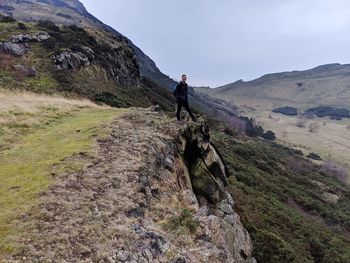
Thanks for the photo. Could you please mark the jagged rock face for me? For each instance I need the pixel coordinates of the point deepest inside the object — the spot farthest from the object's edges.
(68, 59)
(208, 175)
(36, 37)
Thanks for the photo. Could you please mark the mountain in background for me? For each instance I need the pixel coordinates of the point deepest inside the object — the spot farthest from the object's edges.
(326, 85)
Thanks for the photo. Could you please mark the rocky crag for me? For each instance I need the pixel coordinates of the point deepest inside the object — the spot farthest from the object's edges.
(154, 192)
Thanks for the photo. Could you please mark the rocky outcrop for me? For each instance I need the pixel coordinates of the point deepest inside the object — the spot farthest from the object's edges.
(13, 48)
(18, 43)
(136, 201)
(35, 37)
(208, 174)
(69, 59)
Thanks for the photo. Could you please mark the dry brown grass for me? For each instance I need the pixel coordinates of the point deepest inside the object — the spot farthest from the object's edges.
(31, 102)
(6, 62)
(21, 111)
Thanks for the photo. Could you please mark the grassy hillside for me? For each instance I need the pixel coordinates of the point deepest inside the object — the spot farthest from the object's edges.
(293, 211)
(93, 82)
(38, 134)
(328, 138)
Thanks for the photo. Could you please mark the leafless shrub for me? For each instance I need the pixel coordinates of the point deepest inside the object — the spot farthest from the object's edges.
(299, 165)
(236, 123)
(336, 170)
(314, 127)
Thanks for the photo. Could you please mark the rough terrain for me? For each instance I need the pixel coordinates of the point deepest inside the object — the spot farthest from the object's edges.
(124, 204)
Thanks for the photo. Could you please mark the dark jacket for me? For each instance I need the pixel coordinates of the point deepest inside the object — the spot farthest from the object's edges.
(181, 92)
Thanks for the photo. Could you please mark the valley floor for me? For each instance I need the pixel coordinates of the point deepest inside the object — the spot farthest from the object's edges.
(330, 139)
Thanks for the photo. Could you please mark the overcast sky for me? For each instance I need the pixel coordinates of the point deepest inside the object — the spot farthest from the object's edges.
(220, 41)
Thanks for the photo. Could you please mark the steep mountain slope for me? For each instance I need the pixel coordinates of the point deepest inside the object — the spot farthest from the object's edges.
(323, 85)
(73, 12)
(294, 210)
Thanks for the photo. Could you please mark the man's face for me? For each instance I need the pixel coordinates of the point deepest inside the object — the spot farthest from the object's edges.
(184, 78)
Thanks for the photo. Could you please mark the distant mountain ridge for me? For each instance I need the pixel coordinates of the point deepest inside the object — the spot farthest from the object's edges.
(327, 85)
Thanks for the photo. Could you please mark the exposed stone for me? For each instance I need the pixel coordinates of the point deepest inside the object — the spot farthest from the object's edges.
(13, 48)
(135, 212)
(123, 256)
(225, 207)
(26, 71)
(218, 223)
(136, 155)
(180, 260)
(69, 59)
(35, 37)
(207, 169)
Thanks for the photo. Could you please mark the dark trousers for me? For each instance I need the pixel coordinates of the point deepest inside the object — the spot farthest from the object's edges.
(181, 104)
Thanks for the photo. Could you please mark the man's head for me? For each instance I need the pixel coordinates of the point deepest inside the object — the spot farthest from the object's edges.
(183, 78)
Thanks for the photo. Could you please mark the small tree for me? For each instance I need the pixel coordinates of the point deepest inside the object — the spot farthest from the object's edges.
(22, 26)
(336, 170)
(314, 127)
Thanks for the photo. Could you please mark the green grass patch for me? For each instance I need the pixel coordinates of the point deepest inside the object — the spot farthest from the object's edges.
(182, 222)
(26, 168)
(8, 29)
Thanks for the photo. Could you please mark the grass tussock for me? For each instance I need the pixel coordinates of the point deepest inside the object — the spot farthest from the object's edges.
(184, 222)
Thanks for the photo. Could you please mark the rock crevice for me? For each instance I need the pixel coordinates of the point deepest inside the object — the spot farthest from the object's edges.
(208, 176)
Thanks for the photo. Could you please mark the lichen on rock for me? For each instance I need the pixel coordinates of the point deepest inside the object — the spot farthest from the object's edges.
(218, 223)
(35, 37)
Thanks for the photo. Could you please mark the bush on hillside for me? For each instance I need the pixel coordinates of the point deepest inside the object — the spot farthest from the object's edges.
(336, 170)
(22, 26)
(327, 111)
(289, 111)
(314, 156)
(269, 135)
(48, 26)
(7, 19)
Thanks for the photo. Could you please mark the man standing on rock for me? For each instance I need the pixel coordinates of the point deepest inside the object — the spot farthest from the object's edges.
(181, 92)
